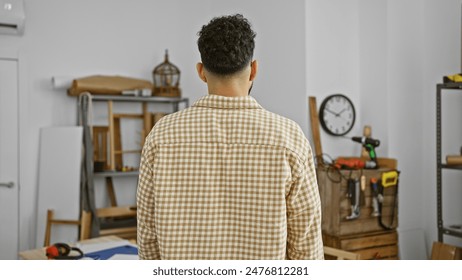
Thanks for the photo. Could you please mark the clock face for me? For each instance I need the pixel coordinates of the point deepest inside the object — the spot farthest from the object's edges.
(337, 114)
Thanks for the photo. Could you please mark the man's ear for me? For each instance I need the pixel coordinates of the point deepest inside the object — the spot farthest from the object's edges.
(200, 71)
(253, 70)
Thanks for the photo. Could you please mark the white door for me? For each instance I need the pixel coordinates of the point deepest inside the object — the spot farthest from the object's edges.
(9, 129)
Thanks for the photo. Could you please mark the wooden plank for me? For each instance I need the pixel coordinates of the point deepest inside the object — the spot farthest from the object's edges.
(329, 203)
(46, 242)
(147, 123)
(340, 254)
(118, 159)
(362, 226)
(314, 121)
(126, 233)
(331, 241)
(378, 252)
(442, 251)
(128, 116)
(116, 212)
(369, 241)
(111, 192)
(112, 163)
(85, 225)
(387, 163)
(363, 245)
(127, 152)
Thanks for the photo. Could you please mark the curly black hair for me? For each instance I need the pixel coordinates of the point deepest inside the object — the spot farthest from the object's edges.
(226, 44)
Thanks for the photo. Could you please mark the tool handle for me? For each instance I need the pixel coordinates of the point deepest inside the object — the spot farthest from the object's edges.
(357, 193)
(366, 141)
(351, 188)
(370, 148)
(374, 186)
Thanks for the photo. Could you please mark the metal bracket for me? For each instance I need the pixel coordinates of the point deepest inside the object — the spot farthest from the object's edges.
(8, 185)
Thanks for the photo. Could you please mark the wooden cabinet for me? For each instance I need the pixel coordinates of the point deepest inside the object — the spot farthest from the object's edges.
(365, 234)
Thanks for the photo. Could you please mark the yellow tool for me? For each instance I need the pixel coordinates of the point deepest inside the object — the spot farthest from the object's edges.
(456, 78)
(389, 178)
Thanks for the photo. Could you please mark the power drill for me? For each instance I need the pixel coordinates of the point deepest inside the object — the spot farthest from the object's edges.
(369, 144)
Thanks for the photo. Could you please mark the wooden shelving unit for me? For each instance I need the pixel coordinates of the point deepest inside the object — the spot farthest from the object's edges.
(113, 219)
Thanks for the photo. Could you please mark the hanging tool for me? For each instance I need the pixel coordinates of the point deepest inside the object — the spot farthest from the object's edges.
(363, 190)
(389, 179)
(375, 197)
(369, 144)
(353, 194)
(455, 78)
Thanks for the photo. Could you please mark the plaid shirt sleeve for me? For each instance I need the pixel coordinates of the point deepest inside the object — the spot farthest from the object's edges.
(304, 237)
(146, 237)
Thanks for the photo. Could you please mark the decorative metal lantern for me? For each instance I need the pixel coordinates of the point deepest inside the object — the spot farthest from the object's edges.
(166, 78)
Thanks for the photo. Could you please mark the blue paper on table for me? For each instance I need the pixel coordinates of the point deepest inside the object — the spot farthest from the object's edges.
(108, 253)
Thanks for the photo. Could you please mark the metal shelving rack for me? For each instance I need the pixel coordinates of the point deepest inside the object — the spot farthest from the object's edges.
(84, 107)
(88, 173)
(450, 230)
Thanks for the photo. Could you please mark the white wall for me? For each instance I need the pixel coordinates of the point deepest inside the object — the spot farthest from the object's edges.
(332, 63)
(404, 81)
(389, 56)
(373, 57)
(117, 37)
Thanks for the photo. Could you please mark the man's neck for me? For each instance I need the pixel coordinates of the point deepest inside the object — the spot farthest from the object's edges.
(230, 88)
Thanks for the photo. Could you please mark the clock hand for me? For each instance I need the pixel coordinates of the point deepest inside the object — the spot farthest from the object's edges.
(332, 112)
(341, 112)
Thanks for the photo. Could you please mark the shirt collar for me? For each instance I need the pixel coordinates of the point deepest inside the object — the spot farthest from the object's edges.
(224, 102)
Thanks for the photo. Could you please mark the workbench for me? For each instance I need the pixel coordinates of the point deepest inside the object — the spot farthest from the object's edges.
(40, 253)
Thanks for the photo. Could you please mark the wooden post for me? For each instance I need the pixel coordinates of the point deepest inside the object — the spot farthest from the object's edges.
(111, 135)
(147, 123)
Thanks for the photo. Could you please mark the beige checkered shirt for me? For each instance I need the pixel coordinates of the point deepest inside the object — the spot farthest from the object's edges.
(226, 179)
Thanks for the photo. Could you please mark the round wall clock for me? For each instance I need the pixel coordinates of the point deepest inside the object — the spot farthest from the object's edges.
(337, 114)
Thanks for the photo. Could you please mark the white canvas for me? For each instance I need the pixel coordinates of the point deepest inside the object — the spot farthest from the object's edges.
(59, 181)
